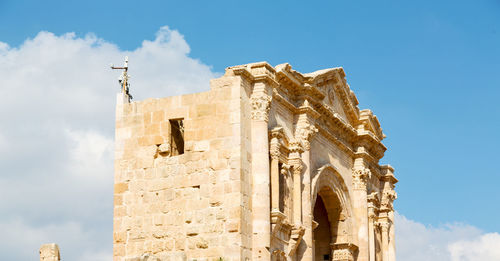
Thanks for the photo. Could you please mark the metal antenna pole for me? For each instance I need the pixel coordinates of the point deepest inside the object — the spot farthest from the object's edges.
(123, 79)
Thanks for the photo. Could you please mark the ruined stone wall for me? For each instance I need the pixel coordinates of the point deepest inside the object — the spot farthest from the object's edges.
(189, 205)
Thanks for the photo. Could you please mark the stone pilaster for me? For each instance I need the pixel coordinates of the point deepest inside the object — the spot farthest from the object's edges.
(360, 174)
(297, 167)
(372, 218)
(276, 135)
(304, 132)
(261, 216)
(387, 208)
(384, 228)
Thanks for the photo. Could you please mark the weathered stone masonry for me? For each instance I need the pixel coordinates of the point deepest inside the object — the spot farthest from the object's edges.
(270, 164)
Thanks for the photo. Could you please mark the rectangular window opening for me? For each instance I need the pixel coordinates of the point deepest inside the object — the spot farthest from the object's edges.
(176, 137)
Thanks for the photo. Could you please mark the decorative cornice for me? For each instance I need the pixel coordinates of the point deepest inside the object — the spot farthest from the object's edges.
(260, 106)
(289, 88)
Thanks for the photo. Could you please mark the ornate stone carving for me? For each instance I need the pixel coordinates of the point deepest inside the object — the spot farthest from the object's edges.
(276, 135)
(297, 166)
(373, 202)
(359, 178)
(284, 169)
(295, 238)
(304, 133)
(388, 197)
(260, 106)
(343, 251)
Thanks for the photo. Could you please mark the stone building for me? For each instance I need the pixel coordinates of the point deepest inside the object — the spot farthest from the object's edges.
(269, 164)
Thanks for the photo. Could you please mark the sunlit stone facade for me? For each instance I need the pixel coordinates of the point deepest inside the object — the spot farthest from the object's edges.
(269, 164)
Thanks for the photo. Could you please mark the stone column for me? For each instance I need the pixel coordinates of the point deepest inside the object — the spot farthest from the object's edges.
(384, 226)
(304, 132)
(276, 134)
(297, 228)
(261, 221)
(360, 175)
(297, 168)
(387, 210)
(50, 252)
(392, 237)
(372, 217)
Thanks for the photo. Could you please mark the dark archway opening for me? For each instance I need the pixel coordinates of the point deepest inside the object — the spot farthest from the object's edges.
(322, 233)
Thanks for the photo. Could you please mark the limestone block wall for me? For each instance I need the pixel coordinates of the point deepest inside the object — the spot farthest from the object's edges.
(193, 205)
(259, 150)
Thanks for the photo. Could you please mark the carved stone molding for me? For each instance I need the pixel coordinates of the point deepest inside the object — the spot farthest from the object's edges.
(373, 203)
(297, 166)
(280, 227)
(343, 251)
(359, 178)
(295, 238)
(388, 197)
(276, 135)
(284, 169)
(304, 134)
(260, 106)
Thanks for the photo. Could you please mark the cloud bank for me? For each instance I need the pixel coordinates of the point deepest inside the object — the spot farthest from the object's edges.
(449, 242)
(56, 137)
(56, 146)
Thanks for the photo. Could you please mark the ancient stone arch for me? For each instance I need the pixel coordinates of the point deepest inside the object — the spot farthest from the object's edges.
(330, 193)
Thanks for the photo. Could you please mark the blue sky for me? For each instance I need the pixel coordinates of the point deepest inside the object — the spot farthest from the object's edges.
(430, 71)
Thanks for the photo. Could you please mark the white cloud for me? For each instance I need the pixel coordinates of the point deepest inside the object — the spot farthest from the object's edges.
(485, 248)
(56, 136)
(450, 242)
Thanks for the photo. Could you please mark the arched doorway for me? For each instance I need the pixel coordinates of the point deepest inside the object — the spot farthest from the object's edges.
(322, 232)
(331, 214)
(328, 215)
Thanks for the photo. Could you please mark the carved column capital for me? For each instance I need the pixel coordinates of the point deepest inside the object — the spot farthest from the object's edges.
(284, 169)
(276, 135)
(360, 177)
(260, 106)
(373, 202)
(304, 133)
(388, 197)
(297, 166)
(343, 251)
